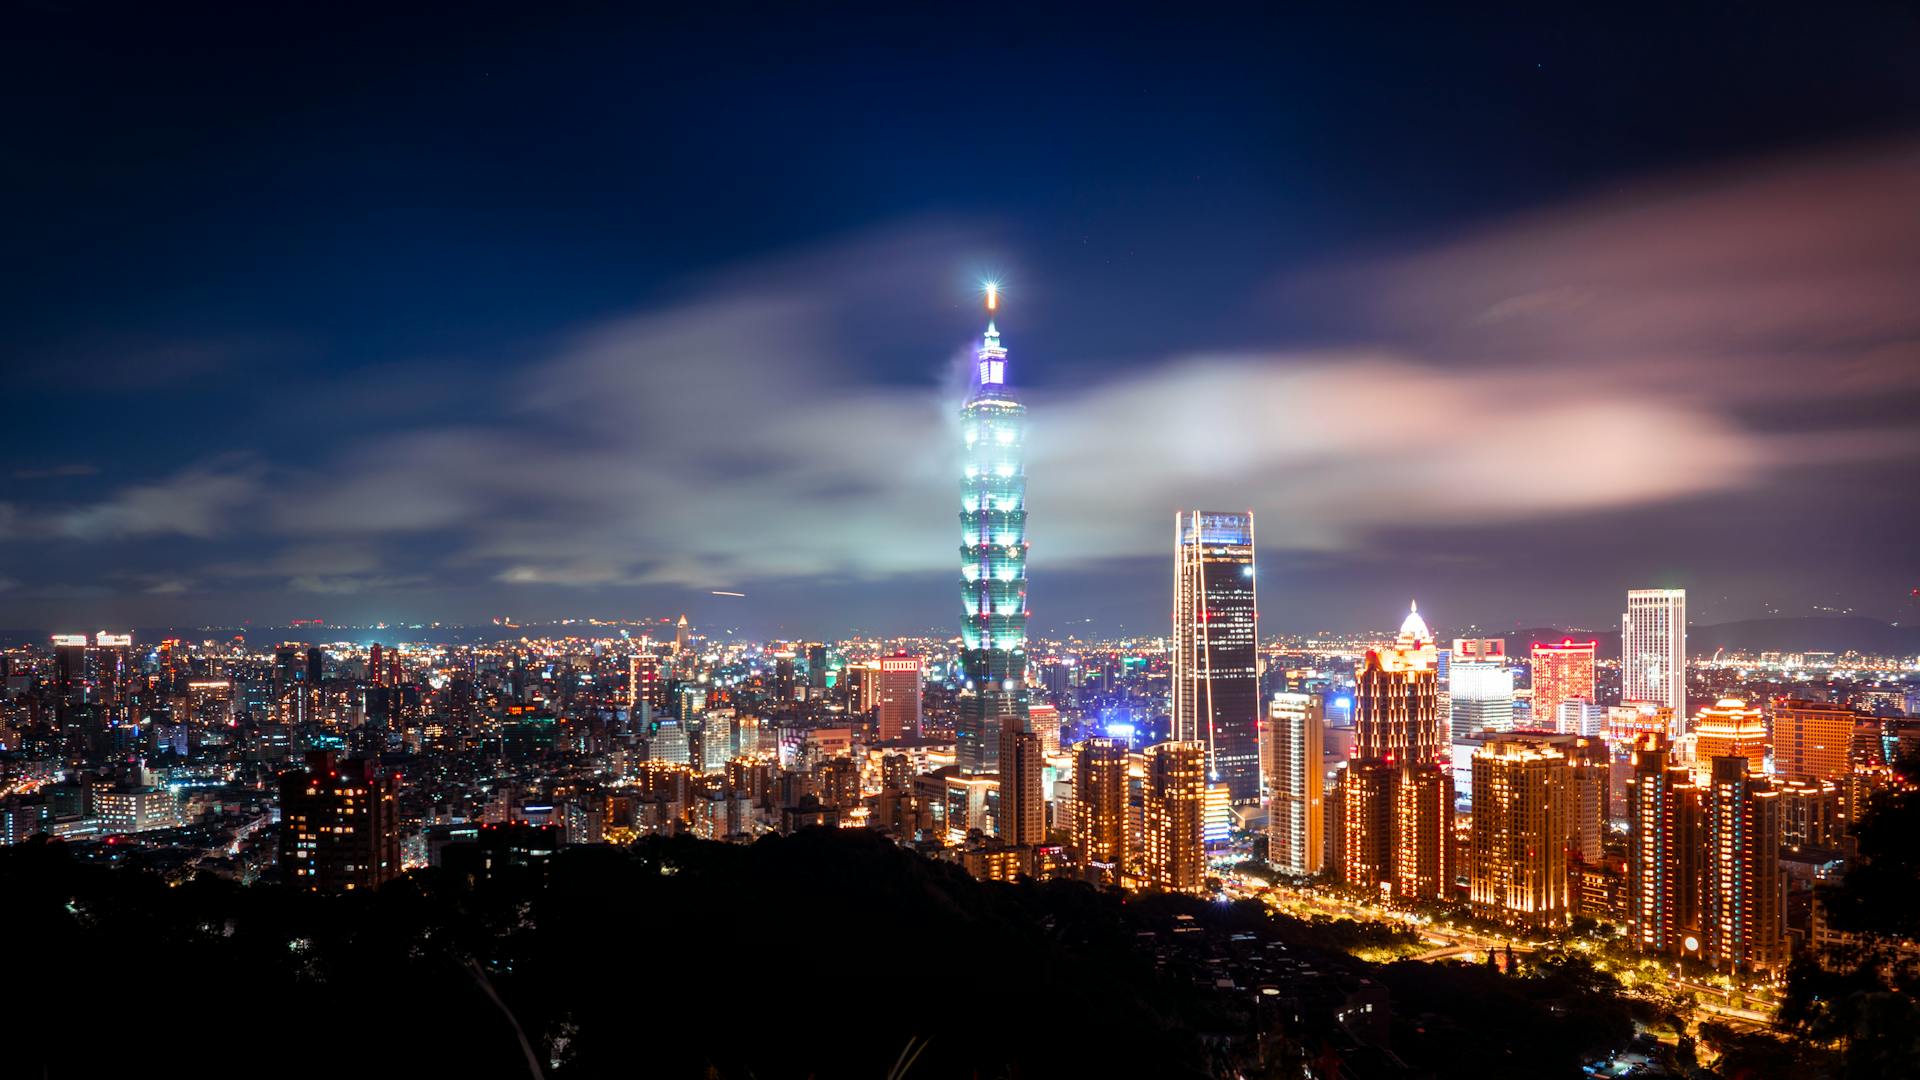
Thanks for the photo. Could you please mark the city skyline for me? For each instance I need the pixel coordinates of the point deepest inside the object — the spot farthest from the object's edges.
(413, 409)
(478, 542)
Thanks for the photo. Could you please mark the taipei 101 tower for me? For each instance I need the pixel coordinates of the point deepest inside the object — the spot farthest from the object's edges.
(993, 558)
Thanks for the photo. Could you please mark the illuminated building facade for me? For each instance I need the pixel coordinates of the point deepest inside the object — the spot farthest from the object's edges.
(1575, 716)
(1023, 804)
(1295, 732)
(1666, 849)
(340, 826)
(1811, 740)
(993, 559)
(136, 810)
(1396, 715)
(1729, 728)
(899, 697)
(1653, 649)
(1216, 678)
(1592, 770)
(1363, 832)
(1176, 794)
(1746, 891)
(1480, 686)
(1044, 721)
(646, 690)
(1394, 800)
(1562, 672)
(1810, 814)
(1517, 862)
(1100, 806)
(1216, 822)
(1423, 833)
(1628, 724)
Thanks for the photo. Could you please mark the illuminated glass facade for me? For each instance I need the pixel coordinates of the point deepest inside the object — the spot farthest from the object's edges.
(993, 561)
(1216, 678)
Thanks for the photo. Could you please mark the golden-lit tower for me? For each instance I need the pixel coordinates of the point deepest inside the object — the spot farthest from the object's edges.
(1100, 807)
(1396, 709)
(1395, 797)
(1517, 862)
(1176, 795)
(1729, 728)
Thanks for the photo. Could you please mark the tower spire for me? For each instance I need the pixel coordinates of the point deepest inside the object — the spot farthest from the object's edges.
(992, 355)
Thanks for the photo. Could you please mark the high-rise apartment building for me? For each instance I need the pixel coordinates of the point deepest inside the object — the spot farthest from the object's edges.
(1364, 824)
(340, 826)
(1729, 728)
(862, 685)
(1216, 684)
(1562, 671)
(993, 559)
(1810, 814)
(1811, 740)
(1480, 686)
(1592, 768)
(1653, 649)
(1423, 833)
(899, 696)
(1746, 891)
(1296, 735)
(1023, 805)
(1044, 721)
(1517, 860)
(785, 676)
(646, 690)
(1100, 807)
(1666, 850)
(1176, 793)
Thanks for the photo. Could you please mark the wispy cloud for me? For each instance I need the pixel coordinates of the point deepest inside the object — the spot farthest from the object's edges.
(1598, 357)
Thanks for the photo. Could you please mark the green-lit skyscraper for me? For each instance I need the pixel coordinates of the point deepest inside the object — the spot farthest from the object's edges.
(993, 558)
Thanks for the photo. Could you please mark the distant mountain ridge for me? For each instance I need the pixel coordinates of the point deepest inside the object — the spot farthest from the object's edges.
(1813, 633)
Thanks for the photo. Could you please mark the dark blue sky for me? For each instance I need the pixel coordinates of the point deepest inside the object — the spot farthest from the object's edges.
(312, 313)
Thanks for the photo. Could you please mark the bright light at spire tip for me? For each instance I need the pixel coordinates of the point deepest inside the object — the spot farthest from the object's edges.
(993, 295)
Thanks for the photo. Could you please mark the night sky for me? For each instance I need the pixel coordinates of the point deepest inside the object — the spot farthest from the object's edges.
(511, 312)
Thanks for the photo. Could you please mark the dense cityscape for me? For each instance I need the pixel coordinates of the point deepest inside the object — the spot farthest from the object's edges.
(1670, 820)
(800, 542)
